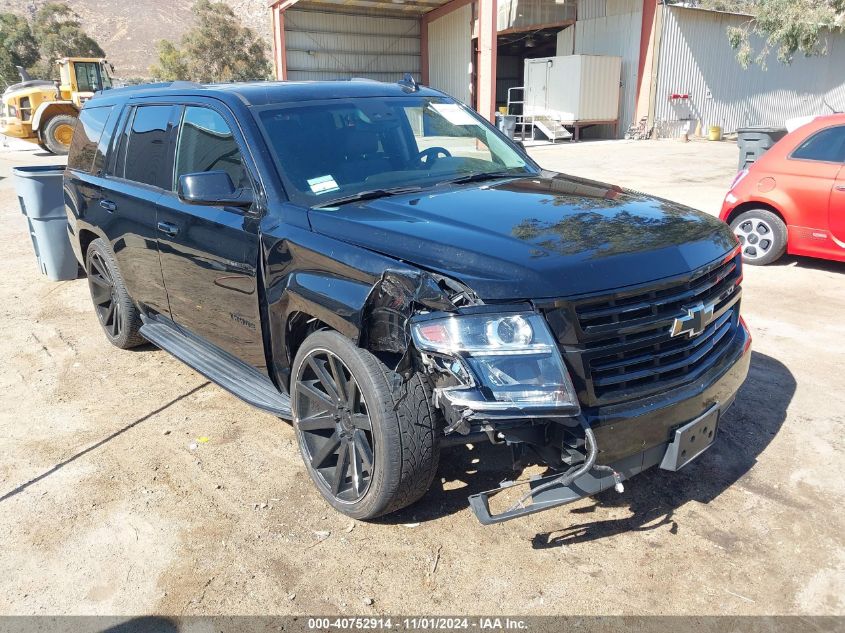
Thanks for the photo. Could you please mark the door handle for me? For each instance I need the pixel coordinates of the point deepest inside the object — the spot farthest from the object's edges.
(168, 228)
(840, 187)
(108, 205)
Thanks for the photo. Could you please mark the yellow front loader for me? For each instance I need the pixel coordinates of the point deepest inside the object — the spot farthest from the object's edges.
(45, 112)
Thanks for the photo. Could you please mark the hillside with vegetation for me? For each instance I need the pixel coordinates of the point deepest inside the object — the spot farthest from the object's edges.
(129, 32)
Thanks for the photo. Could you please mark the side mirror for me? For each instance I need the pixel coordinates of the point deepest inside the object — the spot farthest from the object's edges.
(212, 188)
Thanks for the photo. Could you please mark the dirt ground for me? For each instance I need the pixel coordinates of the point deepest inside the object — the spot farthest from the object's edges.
(112, 503)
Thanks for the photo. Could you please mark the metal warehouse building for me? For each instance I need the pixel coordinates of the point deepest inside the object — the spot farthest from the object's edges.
(677, 68)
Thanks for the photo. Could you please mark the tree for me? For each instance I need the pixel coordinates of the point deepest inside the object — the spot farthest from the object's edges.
(786, 26)
(17, 47)
(59, 33)
(172, 63)
(218, 48)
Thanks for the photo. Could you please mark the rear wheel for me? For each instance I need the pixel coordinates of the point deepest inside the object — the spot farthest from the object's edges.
(116, 312)
(762, 235)
(58, 133)
(369, 439)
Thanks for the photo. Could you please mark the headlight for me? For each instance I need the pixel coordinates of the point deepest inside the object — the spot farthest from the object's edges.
(503, 361)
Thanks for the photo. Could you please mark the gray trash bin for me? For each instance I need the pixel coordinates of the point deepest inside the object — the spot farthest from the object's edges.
(506, 124)
(39, 190)
(753, 142)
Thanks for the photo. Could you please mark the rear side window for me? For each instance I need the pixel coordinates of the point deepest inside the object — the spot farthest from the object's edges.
(84, 151)
(206, 143)
(145, 154)
(827, 145)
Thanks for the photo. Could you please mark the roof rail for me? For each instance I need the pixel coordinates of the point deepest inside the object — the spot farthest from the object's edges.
(153, 86)
(185, 84)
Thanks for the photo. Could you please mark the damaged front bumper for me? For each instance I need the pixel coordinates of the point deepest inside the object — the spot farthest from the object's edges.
(670, 431)
(546, 492)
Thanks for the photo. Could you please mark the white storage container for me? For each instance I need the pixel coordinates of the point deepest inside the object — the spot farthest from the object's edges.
(573, 88)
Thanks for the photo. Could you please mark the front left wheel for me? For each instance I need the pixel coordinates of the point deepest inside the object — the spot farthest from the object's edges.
(369, 439)
(58, 133)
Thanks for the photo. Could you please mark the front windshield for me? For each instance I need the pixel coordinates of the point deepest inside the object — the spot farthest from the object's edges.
(334, 149)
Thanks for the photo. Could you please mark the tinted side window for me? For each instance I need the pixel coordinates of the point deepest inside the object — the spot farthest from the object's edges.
(206, 143)
(86, 136)
(146, 156)
(826, 145)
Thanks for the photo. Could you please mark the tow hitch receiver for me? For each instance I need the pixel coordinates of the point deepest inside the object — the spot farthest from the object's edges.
(592, 482)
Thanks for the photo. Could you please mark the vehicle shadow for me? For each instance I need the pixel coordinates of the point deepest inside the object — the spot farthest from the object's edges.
(812, 263)
(653, 496)
(145, 624)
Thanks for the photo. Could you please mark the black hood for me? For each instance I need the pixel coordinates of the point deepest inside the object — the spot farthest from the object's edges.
(528, 238)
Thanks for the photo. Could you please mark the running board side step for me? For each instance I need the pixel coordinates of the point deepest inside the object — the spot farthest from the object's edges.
(231, 373)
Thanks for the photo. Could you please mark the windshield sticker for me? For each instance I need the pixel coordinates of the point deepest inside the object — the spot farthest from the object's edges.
(323, 184)
(454, 114)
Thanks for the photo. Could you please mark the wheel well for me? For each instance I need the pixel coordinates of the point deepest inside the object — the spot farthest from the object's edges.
(53, 111)
(300, 326)
(85, 239)
(748, 206)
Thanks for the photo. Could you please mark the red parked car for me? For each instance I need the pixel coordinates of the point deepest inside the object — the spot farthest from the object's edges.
(792, 199)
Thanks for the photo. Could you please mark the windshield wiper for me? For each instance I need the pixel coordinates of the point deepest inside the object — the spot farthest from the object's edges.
(484, 175)
(370, 194)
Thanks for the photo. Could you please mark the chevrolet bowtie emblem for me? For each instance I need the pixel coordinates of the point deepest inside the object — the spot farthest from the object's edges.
(697, 318)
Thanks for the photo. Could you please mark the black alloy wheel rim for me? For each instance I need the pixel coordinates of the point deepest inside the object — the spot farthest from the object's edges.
(334, 426)
(104, 294)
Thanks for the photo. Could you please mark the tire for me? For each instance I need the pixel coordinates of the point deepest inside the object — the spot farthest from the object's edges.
(403, 427)
(762, 235)
(116, 312)
(56, 136)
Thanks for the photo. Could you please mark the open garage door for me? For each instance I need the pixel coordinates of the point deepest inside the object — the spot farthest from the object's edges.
(334, 44)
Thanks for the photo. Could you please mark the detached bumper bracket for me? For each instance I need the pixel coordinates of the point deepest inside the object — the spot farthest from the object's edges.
(691, 440)
(586, 485)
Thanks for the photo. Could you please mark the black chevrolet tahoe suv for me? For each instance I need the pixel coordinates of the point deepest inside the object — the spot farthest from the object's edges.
(378, 264)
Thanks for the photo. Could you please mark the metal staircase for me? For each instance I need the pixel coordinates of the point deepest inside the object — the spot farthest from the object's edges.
(550, 127)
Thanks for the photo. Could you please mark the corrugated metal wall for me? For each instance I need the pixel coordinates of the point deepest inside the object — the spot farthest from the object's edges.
(611, 27)
(591, 9)
(695, 58)
(525, 13)
(566, 41)
(340, 45)
(449, 53)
